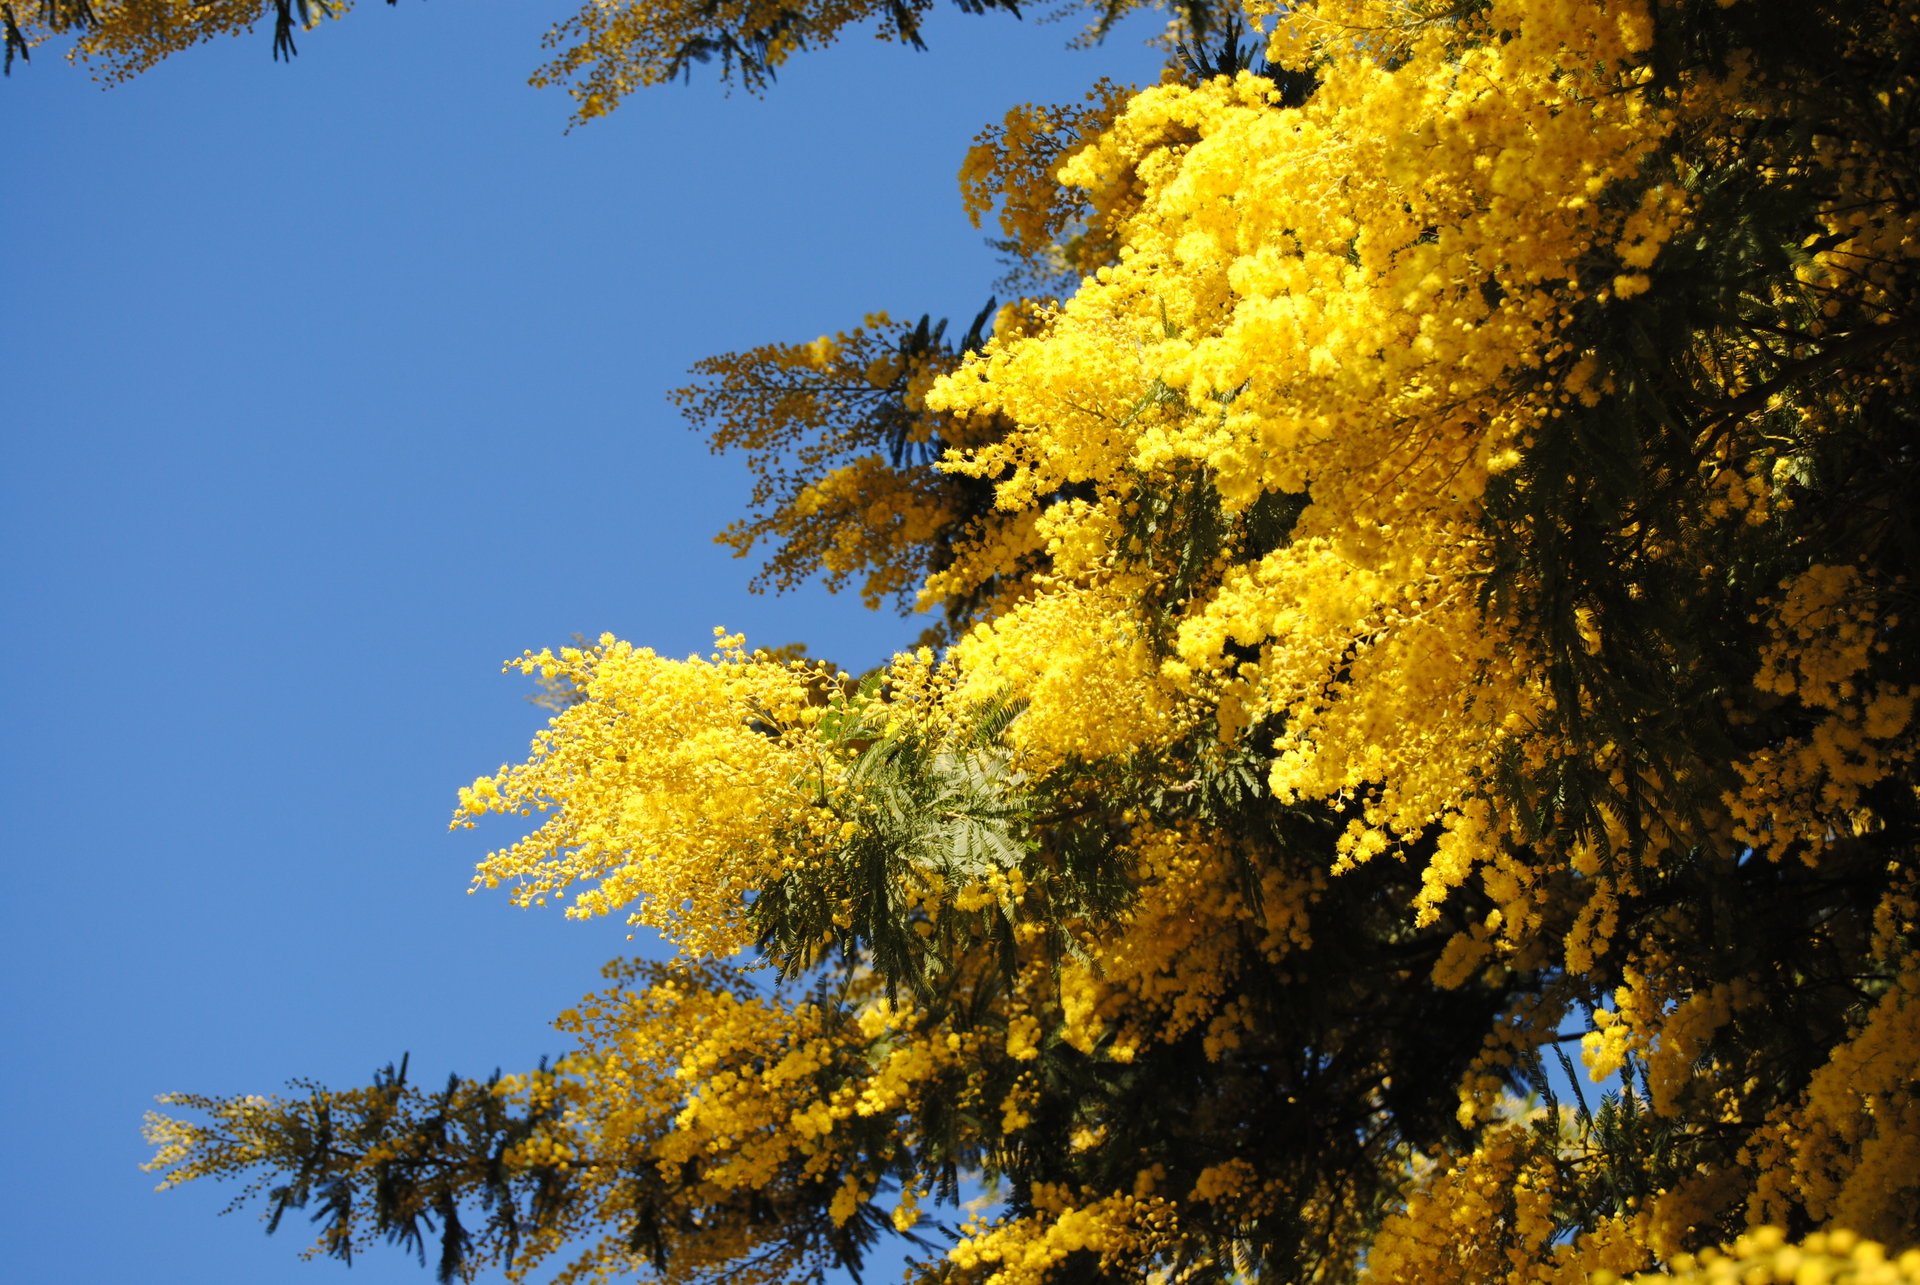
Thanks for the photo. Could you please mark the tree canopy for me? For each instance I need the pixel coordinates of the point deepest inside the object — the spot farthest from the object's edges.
(1410, 773)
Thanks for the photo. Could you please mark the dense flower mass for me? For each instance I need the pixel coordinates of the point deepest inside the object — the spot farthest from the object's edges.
(1413, 780)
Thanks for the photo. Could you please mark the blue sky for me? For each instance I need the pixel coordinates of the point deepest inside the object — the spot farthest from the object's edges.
(327, 388)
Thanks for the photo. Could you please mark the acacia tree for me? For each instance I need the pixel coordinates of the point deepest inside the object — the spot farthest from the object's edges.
(1425, 597)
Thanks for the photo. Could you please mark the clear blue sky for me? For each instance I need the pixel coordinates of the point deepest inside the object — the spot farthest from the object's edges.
(327, 387)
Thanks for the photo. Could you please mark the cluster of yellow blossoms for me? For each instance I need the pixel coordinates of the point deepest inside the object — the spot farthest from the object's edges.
(667, 782)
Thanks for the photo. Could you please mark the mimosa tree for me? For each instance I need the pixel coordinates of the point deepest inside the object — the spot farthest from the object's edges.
(1411, 777)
